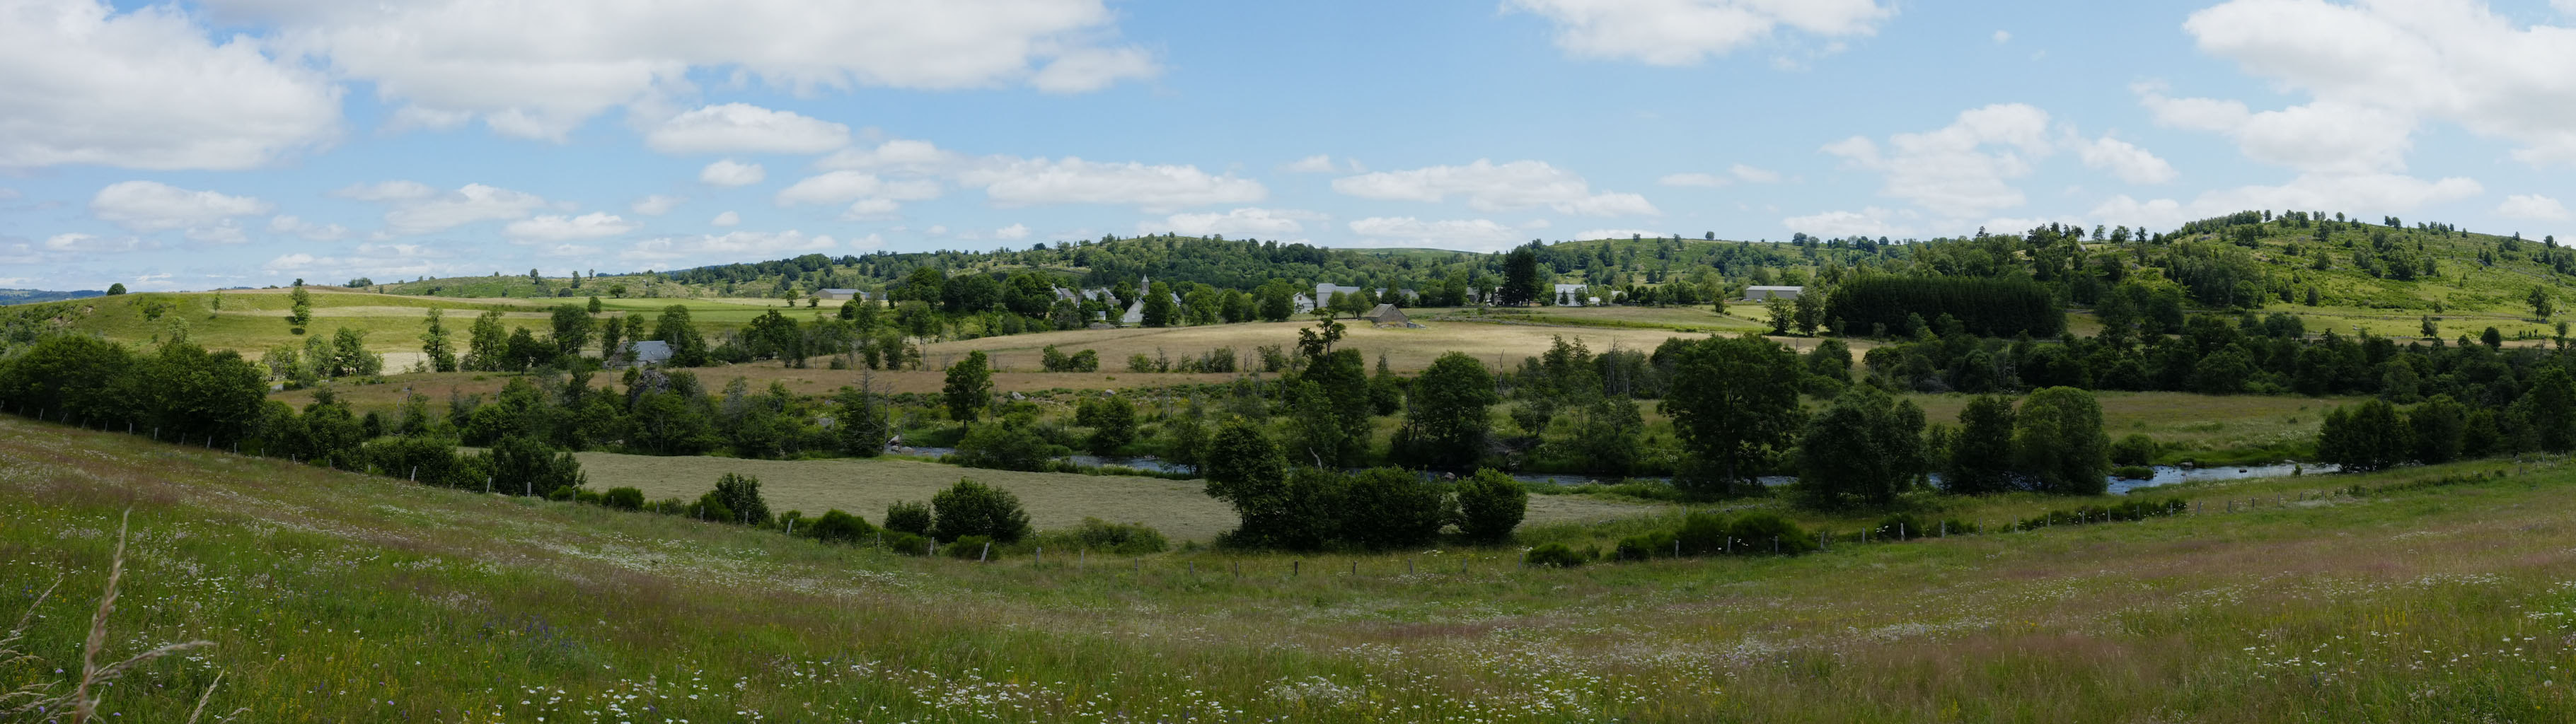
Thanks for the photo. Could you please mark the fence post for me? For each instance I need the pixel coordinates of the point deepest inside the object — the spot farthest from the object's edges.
(487, 490)
(980, 557)
(1820, 541)
(1296, 567)
(1775, 545)
(1900, 532)
(415, 473)
(1039, 559)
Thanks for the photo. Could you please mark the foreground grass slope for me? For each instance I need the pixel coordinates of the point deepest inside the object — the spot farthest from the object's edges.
(334, 597)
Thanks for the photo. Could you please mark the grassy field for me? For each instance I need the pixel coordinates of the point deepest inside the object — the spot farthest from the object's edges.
(254, 320)
(1054, 500)
(334, 597)
(2208, 429)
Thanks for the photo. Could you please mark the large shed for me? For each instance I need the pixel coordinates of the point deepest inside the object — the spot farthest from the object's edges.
(1763, 294)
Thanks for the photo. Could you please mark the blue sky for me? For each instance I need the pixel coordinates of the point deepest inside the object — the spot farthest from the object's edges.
(252, 142)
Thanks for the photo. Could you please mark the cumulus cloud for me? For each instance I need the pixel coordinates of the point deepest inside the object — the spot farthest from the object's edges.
(395, 260)
(147, 89)
(1473, 234)
(1871, 221)
(289, 224)
(1737, 173)
(1323, 163)
(2002, 37)
(745, 128)
(156, 206)
(655, 205)
(1014, 231)
(1616, 234)
(838, 187)
(2320, 137)
(467, 204)
(2375, 70)
(2391, 192)
(1751, 175)
(734, 245)
(1684, 32)
(1960, 170)
(88, 244)
(728, 172)
(895, 156)
(2130, 163)
(556, 229)
(2532, 207)
(1488, 186)
(1243, 222)
(386, 191)
(726, 219)
(539, 69)
(1025, 182)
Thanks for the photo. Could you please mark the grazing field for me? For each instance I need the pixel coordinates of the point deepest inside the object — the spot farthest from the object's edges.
(1406, 350)
(253, 320)
(334, 597)
(1178, 508)
(2193, 426)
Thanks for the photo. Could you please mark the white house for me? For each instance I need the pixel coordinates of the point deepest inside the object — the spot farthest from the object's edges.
(1761, 294)
(1571, 295)
(839, 295)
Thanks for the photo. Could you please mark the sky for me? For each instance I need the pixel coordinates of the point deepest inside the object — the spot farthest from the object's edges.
(226, 143)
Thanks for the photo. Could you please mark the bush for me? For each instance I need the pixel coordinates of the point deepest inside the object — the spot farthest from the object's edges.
(2134, 451)
(1127, 539)
(625, 498)
(2133, 472)
(1759, 529)
(711, 508)
(1490, 505)
(971, 508)
(1015, 443)
(668, 506)
(908, 517)
(971, 547)
(1644, 546)
(910, 544)
(1384, 508)
(836, 526)
(1558, 555)
(590, 497)
(1900, 526)
(740, 494)
(1703, 533)
(562, 493)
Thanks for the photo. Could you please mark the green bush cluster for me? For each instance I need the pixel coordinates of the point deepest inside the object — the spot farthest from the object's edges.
(1559, 555)
(1126, 539)
(2133, 509)
(1704, 533)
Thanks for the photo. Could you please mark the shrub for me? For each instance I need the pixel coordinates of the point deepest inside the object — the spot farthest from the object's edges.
(1759, 529)
(2133, 472)
(1106, 537)
(1645, 545)
(908, 517)
(1703, 533)
(741, 495)
(970, 547)
(1387, 508)
(1557, 555)
(910, 544)
(2134, 450)
(624, 498)
(587, 496)
(837, 526)
(1490, 505)
(1899, 526)
(711, 508)
(668, 506)
(565, 492)
(1015, 443)
(971, 508)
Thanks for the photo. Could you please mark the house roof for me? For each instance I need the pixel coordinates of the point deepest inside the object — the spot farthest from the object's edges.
(651, 350)
(838, 291)
(1776, 289)
(1383, 311)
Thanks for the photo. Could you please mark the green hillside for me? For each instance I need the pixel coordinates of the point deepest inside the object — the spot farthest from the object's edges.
(254, 320)
(2385, 278)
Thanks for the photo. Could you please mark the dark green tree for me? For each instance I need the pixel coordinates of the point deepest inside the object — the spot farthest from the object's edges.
(572, 328)
(1861, 451)
(675, 328)
(1112, 420)
(1981, 455)
(439, 353)
(1490, 505)
(973, 508)
(2363, 439)
(300, 309)
(2059, 444)
(1520, 278)
(2550, 406)
(861, 424)
(1445, 417)
(1734, 402)
(2437, 427)
(969, 387)
(741, 495)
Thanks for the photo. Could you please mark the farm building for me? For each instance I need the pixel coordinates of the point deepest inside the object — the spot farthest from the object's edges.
(1761, 294)
(840, 295)
(1386, 315)
(647, 352)
(1571, 295)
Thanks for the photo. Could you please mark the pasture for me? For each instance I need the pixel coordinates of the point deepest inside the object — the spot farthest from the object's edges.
(1178, 508)
(331, 596)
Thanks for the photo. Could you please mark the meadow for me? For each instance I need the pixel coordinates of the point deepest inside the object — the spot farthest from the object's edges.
(335, 597)
(1177, 508)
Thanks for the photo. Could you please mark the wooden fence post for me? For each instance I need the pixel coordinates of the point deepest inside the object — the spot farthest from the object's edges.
(986, 554)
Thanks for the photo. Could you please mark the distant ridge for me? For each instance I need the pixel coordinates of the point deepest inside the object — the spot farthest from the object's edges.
(26, 296)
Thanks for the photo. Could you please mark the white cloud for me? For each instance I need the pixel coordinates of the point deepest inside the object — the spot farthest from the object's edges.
(1322, 163)
(155, 206)
(2002, 37)
(1023, 182)
(844, 186)
(224, 232)
(1693, 179)
(1014, 231)
(736, 245)
(467, 204)
(728, 172)
(1243, 222)
(147, 89)
(1496, 187)
(557, 229)
(288, 224)
(1478, 234)
(539, 69)
(1683, 32)
(656, 205)
(387, 191)
(726, 219)
(899, 155)
(87, 244)
(2375, 70)
(1617, 234)
(1751, 175)
(871, 210)
(2320, 137)
(2533, 207)
(1092, 69)
(2373, 192)
(2130, 163)
(744, 128)
(388, 260)
(1872, 221)
(1960, 170)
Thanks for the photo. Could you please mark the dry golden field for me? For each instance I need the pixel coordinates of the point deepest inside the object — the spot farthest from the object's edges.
(1054, 500)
